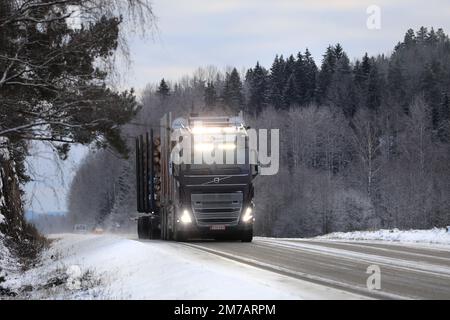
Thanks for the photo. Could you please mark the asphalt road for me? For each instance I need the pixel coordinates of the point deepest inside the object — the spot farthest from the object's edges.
(406, 271)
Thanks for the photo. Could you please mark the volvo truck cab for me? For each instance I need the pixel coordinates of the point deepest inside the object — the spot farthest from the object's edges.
(200, 180)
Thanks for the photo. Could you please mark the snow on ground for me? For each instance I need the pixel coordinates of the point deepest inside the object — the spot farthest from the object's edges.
(7, 261)
(8, 265)
(112, 267)
(433, 236)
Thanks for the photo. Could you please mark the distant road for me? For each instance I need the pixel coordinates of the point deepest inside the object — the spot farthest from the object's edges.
(407, 271)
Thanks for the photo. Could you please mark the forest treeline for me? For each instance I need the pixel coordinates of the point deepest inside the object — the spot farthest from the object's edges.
(365, 144)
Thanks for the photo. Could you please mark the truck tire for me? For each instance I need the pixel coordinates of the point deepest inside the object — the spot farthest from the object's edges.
(154, 231)
(178, 235)
(247, 236)
(143, 227)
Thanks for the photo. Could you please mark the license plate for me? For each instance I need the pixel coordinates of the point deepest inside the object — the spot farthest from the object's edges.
(217, 228)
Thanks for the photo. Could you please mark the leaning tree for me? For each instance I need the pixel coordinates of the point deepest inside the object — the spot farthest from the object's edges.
(56, 57)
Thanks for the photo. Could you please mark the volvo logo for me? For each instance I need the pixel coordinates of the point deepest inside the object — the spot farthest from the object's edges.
(217, 180)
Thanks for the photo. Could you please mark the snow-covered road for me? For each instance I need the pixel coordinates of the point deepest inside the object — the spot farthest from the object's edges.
(123, 267)
(406, 271)
(112, 266)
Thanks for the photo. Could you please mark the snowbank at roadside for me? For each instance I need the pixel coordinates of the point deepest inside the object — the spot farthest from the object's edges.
(433, 236)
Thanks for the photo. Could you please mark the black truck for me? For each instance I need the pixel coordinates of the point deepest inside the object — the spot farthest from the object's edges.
(192, 199)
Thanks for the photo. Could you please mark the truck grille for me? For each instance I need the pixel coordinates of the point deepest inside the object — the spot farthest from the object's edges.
(217, 208)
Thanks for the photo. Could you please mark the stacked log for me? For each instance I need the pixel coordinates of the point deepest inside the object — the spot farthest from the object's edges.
(157, 169)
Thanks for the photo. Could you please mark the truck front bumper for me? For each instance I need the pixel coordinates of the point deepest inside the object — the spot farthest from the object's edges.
(193, 231)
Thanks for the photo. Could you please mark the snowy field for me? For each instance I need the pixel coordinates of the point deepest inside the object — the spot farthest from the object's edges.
(113, 267)
(433, 236)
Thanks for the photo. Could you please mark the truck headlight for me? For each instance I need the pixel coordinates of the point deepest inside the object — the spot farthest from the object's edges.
(186, 217)
(248, 215)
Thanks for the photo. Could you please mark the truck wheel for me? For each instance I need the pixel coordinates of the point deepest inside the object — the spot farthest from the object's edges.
(178, 235)
(154, 231)
(143, 227)
(247, 236)
(163, 224)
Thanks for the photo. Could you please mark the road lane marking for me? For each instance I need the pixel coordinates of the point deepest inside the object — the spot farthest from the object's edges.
(360, 290)
(415, 266)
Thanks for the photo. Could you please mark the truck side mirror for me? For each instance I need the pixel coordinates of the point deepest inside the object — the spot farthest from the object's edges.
(255, 170)
(254, 159)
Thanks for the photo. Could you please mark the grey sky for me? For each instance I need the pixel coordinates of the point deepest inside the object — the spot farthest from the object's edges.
(194, 33)
(52, 177)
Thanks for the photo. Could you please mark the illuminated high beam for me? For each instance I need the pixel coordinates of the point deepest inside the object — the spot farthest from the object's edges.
(202, 147)
(227, 146)
(214, 130)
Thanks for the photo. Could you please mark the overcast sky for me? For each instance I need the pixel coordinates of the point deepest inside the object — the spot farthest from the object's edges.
(193, 33)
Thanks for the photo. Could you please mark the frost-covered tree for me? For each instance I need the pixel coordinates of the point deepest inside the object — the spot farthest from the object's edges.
(55, 59)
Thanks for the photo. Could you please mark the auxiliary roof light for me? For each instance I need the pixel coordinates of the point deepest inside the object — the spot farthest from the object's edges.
(208, 147)
(213, 130)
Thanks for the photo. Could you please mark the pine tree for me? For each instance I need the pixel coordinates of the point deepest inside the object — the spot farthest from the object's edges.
(410, 38)
(431, 89)
(445, 108)
(441, 36)
(210, 95)
(362, 71)
(341, 90)
(326, 73)
(396, 85)
(290, 92)
(338, 51)
(163, 90)
(257, 80)
(432, 37)
(277, 82)
(310, 78)
(444, 126)
(374, 89)
(300, 79)
(422, 35)
(232, 93)
(289, 68)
